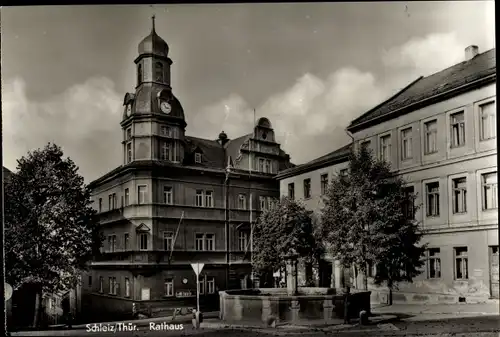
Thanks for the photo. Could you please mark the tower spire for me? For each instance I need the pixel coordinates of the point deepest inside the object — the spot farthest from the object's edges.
(153, 22)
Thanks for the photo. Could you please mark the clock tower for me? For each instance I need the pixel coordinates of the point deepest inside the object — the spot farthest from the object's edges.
(153, 119)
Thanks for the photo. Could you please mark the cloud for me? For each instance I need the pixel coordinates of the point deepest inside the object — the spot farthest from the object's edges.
(309, 118)
(83, 120)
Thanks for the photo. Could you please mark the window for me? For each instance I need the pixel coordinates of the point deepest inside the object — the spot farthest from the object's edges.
(270, 203)
(406, 144)
(165, 131)
(110, 202)
(199, 241)
(409, 205)
(90, 280)
(461, 263)
(209, 242)
(141, 194)
(127, 197)
(112, 286)
(267, 166)
(201, 282)
(210, 285)
(199, 198)
(112, 243)
(100, 205)
(430, 137)
(242, 241)
(159, 72)
(101, 282)
(165, 151)
(167, 195)
(490, 190)
(129, 152)
(307, 188)
(432, 190)
(385, 148)
(291, 191)
(433, 263)
(457, 125)
(115, 201)
(126, 241)
(488, 124)
(263, 203)
(242, 201)
(365, 144)
(261, 165)
(128, 134)
(197, 157)
(324, 183)
(209, 200)
(344, 172)
(168, 240)
(459, 195)
(169, 287)
(139, 74)
(143, 241)
(127, 287)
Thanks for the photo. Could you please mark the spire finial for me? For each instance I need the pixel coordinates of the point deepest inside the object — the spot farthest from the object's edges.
(153, 20)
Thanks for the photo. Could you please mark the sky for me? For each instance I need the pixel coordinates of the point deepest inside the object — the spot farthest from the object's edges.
(309, 67)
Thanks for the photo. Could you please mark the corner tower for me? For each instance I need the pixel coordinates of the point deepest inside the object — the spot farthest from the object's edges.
(153, 120)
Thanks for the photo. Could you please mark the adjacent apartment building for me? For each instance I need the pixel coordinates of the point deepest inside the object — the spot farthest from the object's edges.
(439, 133)
(176, 200)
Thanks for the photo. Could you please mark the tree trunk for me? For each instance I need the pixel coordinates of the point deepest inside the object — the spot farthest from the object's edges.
(38, 309)
(390, 292)
(365, 281)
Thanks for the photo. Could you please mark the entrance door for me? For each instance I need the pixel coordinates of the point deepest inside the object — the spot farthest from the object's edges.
(494, 272)
(145, 294)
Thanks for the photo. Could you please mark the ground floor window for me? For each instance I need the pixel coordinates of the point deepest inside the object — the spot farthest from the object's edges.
(169, 287)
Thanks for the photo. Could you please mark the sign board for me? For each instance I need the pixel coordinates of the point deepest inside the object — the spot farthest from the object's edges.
(197, 267)
(8, 291)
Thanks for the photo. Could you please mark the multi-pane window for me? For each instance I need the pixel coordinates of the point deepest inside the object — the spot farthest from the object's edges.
(461, 263)
(263, 203)
(210, 284)
(164, 150)
(433, 263)
(113, 285)
(307, 188)
(324, 183)
(406, 143)
(432, 190)
(168, 240)
(430, 137)
(101, 284)
(115, 201)
(166, 131)
(169, 287)
(126, 241)
(242, 201)
(159, 72)
(127, 287)
(112, 243)
(209, 199)
(261, 165)
(490, 190)
(143, 241)
(242, 241)
(457, 125)
(127, 197)
(167, 195)
(141, 194)
(201, 282)
(291, 191)
(385, 148)
(110, 202)
(209, 241)
(271, 202)
(408, 204)
(197, 157)
(199, 238)
(100, 205)
(129, 152)
(459, 195)
(199, 198)
(488, 123)
(267, 166)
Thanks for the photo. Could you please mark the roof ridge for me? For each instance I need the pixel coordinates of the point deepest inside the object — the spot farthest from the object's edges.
(387, 100)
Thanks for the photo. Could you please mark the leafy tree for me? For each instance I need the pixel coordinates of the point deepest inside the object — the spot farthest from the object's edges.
(368, 220)
(50, 232)
(287, 227)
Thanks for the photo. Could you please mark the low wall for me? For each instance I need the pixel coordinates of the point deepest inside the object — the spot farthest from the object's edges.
(261, 306)
(399, 297)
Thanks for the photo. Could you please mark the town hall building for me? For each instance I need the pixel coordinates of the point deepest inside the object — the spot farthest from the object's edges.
(176, 200)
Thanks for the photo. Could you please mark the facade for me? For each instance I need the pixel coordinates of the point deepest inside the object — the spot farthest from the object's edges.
(176, 200)
(439, 133)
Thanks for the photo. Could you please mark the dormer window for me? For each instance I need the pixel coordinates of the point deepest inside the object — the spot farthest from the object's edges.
(197, 158)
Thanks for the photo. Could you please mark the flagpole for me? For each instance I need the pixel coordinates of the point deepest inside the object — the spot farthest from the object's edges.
(252, 276)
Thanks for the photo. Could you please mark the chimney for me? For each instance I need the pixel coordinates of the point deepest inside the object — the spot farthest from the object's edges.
(471, 52)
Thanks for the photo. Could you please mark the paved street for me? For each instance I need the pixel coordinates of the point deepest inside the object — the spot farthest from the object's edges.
(482, 326)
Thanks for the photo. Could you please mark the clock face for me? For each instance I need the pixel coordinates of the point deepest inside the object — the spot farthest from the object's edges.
(165, 107)
(129, 110)
(185, 281)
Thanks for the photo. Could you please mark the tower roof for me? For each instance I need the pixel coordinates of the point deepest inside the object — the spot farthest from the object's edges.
(153, 44)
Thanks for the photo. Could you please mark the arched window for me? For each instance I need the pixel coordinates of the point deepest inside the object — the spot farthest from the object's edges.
(159, 72)
(139, 74)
